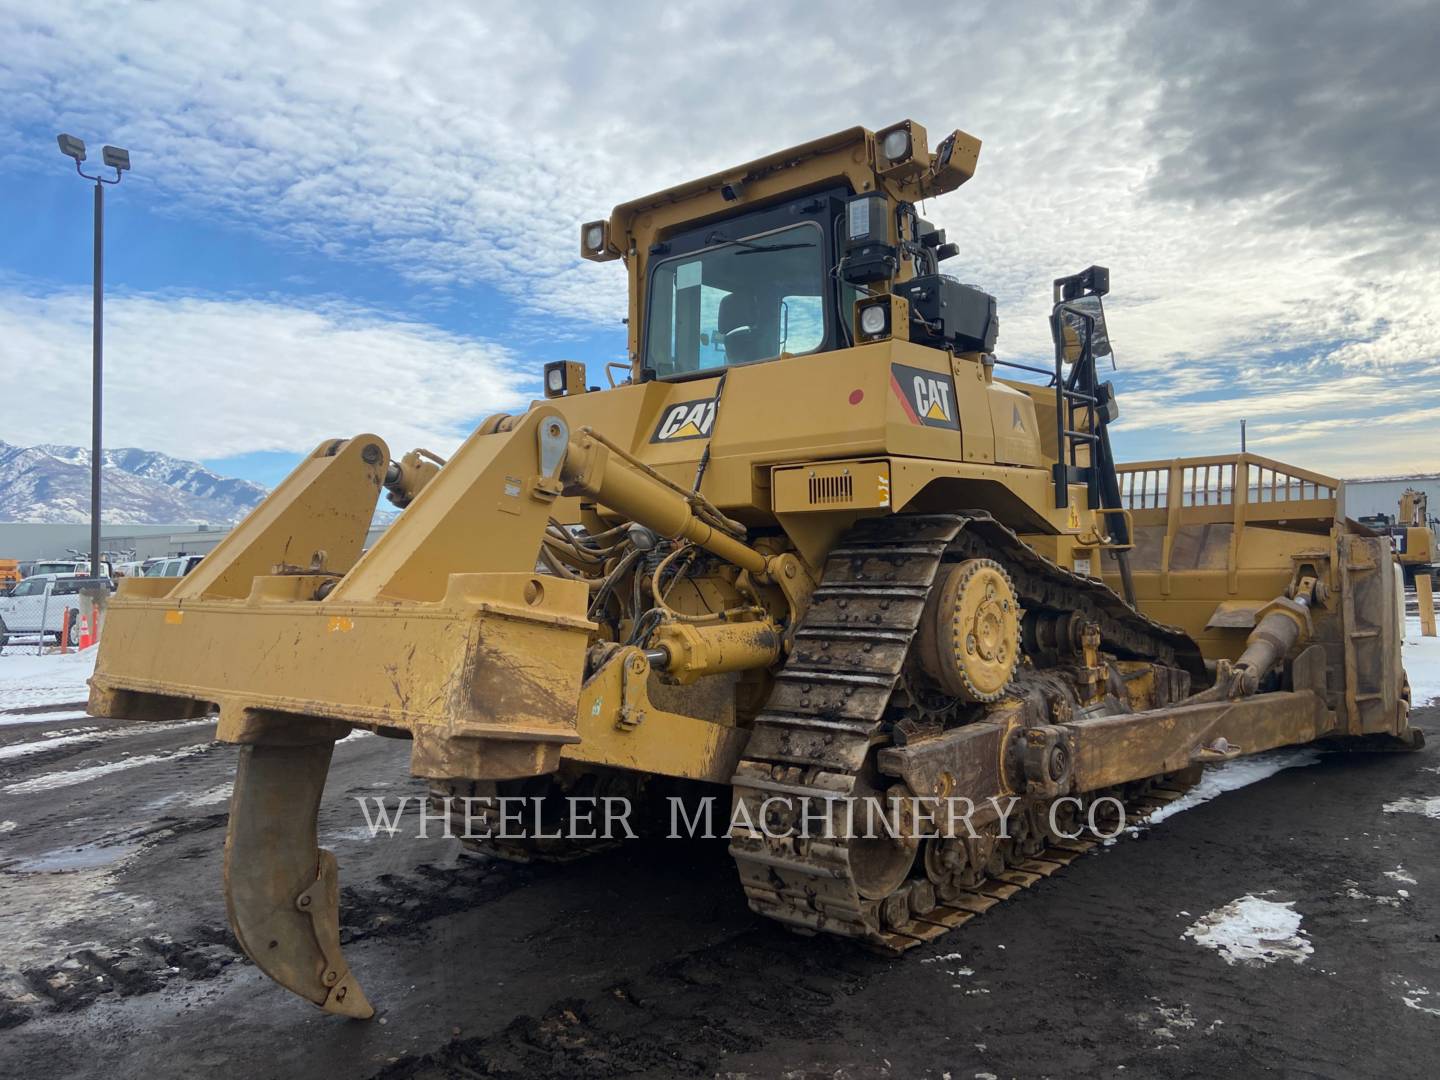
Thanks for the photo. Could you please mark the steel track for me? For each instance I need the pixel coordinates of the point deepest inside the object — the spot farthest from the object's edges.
(815, 738)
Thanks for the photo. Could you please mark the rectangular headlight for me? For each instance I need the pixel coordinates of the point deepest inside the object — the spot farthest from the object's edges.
(902, 151)
(880, 317)
(595, 242)
(563, 378)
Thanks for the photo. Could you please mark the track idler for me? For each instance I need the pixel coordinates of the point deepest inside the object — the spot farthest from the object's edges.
(282, 890)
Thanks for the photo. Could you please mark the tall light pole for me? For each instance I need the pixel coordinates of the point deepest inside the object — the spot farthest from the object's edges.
(119, 160)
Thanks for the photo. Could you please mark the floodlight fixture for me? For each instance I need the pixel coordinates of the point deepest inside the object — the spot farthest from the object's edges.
(72, 147)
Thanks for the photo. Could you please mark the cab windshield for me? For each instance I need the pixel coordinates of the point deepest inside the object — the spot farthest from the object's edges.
(738, 301)
(55, 568)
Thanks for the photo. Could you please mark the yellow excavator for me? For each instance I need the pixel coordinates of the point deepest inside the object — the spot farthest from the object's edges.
(819, 542)
(1412, 534)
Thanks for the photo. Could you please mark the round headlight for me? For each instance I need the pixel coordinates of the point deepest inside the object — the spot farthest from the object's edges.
(594, 237)
(896, 144)
(872, 319)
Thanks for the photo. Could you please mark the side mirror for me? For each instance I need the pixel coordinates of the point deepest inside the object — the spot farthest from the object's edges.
(1079, 317)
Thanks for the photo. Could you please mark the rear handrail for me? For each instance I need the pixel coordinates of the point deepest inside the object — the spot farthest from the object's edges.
(1235, 489)
(1266, 490)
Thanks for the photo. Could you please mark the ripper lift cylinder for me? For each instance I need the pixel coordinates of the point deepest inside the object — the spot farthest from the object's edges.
(1282, 626)
(590, 470)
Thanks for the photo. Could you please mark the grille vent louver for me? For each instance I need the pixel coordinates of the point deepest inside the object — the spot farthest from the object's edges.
(828, 490)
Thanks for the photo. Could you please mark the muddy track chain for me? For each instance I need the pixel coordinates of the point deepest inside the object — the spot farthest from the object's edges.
(825, 715)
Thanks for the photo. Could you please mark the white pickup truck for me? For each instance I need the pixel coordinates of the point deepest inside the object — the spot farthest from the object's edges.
(27, 612)
(175, 566)
(66, 567)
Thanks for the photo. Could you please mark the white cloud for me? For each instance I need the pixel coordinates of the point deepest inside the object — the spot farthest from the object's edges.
(207, 378)
(462, 144)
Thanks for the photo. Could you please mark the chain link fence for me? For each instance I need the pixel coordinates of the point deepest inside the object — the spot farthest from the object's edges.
(43, 611)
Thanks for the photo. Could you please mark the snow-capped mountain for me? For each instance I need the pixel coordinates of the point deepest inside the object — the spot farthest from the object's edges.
(140, 487)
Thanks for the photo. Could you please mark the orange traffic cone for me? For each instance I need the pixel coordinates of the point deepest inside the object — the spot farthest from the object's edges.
(86, 638)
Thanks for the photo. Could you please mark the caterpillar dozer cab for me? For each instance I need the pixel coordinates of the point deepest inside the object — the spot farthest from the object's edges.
(810, 546)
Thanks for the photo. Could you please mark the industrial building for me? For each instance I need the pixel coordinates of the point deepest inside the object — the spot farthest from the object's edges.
(25, 540)
(1372, 495)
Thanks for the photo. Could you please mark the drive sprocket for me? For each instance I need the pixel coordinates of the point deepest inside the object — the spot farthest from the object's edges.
(969, 640)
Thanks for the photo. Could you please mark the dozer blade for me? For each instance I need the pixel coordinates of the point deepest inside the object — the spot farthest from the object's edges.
(282, 890)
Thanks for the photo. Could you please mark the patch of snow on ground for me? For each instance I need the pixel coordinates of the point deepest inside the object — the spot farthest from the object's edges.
(354, 832)
(27, 680)
(67, 732)
(218, 794)
(1170, 1020)
(50, 740)
(1354, 892)
(1418, 998)
(1401, 875)
(50, 781)
(1252, 930)
(1231, 775)
(46, 716)
(1425, 807)
(1421, 657)
(38, 909)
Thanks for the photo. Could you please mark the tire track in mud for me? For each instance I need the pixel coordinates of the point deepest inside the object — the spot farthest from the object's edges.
(145, 966)
(50, 781)
(97, 860)
(54, 746)
(682, 1017)
(30, 765)
(400, 905)
(391, 906)
(87, 972)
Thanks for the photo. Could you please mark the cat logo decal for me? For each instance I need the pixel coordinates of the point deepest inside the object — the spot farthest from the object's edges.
(685, 420)
(927, 397)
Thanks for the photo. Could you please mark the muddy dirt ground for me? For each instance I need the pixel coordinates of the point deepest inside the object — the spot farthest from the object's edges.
(115, 958)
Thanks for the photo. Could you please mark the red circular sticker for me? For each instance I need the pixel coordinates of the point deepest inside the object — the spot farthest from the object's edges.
(857, 396)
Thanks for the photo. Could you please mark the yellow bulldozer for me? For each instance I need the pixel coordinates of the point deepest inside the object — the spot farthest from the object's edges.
(817, 544)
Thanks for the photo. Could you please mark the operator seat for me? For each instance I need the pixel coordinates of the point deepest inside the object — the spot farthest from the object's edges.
(738, 319)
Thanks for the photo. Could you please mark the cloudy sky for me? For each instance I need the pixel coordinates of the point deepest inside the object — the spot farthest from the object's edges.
(363, 216)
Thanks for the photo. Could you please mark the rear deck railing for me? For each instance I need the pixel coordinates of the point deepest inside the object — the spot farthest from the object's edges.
(1234, 489)
(1238, 487)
